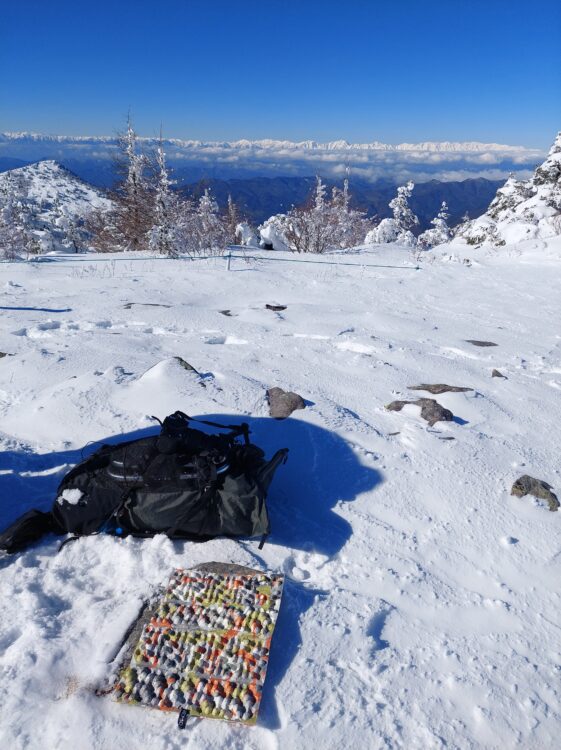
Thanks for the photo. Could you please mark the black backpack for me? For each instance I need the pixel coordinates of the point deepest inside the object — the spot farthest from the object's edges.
(183, 483)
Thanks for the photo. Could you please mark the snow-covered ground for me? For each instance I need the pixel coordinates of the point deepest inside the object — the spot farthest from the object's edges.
(421, 607)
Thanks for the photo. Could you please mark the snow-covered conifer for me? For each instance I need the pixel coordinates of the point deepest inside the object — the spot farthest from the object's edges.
(398, 228)
(232, 221)
(440, 233)
(162, 234)
(128, 225)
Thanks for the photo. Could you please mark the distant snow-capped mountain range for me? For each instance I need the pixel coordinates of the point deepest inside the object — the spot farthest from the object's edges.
(91, 158)
(51, 202)
(267, 143)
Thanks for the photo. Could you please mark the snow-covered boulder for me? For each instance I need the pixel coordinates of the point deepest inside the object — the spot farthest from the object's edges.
(272, 233)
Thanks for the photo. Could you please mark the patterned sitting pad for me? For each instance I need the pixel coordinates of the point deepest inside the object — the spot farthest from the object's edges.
(203, 645)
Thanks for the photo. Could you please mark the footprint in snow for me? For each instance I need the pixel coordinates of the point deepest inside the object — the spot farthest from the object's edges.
(304, 566)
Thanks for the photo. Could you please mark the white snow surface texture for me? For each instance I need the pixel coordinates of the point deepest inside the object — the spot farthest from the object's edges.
(421, 606)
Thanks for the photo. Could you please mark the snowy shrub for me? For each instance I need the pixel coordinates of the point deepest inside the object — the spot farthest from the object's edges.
(245, 235)
(321, 225)
(386, 232)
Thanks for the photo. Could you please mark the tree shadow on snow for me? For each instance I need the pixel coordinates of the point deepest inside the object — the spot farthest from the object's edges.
(322, 472)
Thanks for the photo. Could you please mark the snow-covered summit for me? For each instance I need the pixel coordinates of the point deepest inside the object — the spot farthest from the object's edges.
(49, 202)
(46, 183)
(522, 209)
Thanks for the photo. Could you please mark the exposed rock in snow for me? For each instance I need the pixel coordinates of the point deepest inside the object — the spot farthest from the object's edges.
(431, 410)
(476, 342)
(521, 210)
(283, 403)
(437, 388)
(275, 308)
(526, 485)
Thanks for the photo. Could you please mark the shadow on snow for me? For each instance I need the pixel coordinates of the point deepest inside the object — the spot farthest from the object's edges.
(322, 472)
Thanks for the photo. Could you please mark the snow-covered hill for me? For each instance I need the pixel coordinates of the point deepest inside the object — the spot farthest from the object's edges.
(522, 209)
(421, 606)
(51, 202)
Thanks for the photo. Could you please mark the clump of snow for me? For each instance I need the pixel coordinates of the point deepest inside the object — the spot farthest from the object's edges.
(70, 496)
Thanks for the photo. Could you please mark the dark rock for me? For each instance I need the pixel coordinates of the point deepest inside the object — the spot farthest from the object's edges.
(526, 485)
(276, 308)
(3, 354)
(283, 403)
(228, 313)
(431, 410)
(190, 368)
(437, 388)
(475, 342)
(186, 365)
(498, 374)
(144, 304)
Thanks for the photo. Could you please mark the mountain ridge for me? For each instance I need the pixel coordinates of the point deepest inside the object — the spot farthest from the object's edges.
(271, 143)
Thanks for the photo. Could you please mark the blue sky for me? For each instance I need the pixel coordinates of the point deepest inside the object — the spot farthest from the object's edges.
(398, 70)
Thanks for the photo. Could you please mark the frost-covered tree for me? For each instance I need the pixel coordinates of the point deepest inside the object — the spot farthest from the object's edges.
(398, 228)
(232, 221)
(349, 225)
(320, 225)
(17, 228)
(199, 229)
(162, 235)
(405, 218)
(135, 201)
(246, 236)
(440, 233)
(209, 227)
(128, 225)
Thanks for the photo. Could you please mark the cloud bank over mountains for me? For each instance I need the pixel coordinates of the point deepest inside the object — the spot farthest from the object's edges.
(371, 161)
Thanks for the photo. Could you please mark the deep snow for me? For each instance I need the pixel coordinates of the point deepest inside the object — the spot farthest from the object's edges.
(421, 608)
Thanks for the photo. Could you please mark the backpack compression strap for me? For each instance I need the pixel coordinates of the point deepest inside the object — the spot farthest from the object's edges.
(235, 429)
